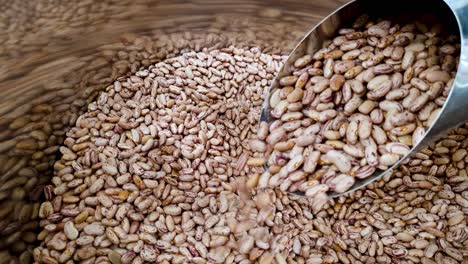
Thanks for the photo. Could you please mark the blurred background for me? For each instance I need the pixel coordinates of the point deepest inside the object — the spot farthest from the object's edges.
(56, 55)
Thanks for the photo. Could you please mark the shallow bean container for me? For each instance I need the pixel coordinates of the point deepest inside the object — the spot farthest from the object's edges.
(56, 56)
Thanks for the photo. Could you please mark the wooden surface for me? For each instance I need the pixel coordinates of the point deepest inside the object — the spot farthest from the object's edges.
(315, 10)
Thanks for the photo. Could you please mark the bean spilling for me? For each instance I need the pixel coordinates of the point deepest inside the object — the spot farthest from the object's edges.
(355, 106)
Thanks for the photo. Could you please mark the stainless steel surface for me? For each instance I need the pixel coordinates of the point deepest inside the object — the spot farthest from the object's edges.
(453, 14)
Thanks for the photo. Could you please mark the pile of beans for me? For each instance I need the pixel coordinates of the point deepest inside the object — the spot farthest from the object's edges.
(163, 168)
(355, 106)
(153, 152)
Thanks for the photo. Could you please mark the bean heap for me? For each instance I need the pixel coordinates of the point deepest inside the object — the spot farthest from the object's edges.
(151, 155)
(355, 106)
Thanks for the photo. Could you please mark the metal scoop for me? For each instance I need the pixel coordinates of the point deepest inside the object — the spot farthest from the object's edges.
(451, 13)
